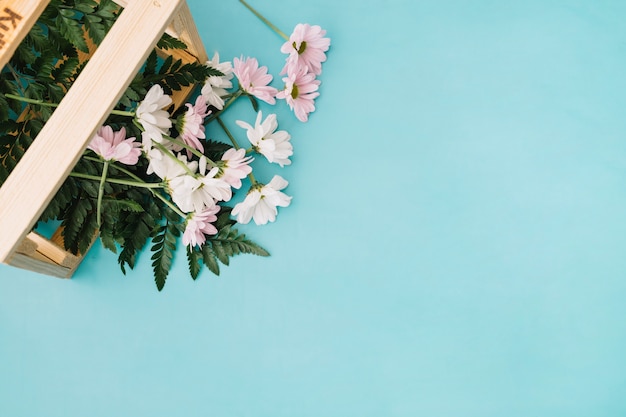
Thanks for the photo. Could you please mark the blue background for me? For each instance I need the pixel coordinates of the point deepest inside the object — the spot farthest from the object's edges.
(455, 245)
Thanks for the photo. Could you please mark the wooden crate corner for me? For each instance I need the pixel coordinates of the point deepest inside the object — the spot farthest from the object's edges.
(46, 164)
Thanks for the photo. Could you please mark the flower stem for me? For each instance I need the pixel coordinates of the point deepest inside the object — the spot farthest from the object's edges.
(17, 78)
(30, 100)
(252, 179)
(267, 22)
(236, 146)
(172, 156)
(105, 170)
(230, 101)
(230, 136)
(135, 177)
(169, 204)
(123, 113)
(119, 168)
(117, 181)
(191, 149)
(44, 103)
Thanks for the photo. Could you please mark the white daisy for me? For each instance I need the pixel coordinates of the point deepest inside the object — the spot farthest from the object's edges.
(261, 202)
(196, 193)
(234, 166)
(272, 144)
(214, 88)
(150, 114)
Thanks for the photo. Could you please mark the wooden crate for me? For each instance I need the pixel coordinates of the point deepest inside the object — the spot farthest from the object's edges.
(51, 157)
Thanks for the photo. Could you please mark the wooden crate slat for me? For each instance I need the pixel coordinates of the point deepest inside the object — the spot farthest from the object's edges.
(17, 17)
(183, 28)
(48, 257)
(187, 32)
(49, 160)
(37, 263)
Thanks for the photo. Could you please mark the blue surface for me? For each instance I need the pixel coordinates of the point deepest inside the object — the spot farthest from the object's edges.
(455, 246)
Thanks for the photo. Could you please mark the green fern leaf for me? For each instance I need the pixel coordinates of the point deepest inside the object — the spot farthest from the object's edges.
(164, 246)
(194, 259)
(121, 205)
(76, 220)
(209, 259)
(71, 29)
(169, 42)
(229, 242)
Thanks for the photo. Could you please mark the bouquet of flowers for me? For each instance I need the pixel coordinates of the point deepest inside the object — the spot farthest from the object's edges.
(150, 175)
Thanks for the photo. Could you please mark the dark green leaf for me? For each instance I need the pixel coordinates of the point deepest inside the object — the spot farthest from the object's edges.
(209, 259)
(164, 245)
(194, 260)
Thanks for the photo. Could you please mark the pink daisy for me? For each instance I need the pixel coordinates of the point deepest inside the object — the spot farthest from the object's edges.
(191, 124)
(235, 166)
(306, 47)
(254, 80)
(199, 225)
(300, 92)
(113, 146)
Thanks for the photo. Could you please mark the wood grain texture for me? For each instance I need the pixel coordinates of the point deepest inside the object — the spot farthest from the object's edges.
(16, 19)
(49, 160)
(182, 27)
(187, 32)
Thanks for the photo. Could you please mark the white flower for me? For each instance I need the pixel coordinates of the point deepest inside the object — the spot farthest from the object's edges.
(214, 88)
(166, 167)
(150, 114)
(234, 166)
(261, 202)
(196, 193)
(275, 146)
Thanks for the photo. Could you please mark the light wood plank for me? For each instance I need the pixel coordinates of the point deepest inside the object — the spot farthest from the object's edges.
(187, 32)
(48, 161)
(38, 263)
(184, 28)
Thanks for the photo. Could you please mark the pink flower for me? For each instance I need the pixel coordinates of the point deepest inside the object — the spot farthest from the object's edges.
(113, 146)
(234, 166)
(299, 93)
(254, 80)
(261, 202)
(306, 47)
(191, 124)
(199, 225)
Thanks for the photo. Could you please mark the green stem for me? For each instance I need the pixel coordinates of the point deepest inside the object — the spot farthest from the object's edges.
(30, 100)
(252, 179)
(230, 101)
(179, 143)
(230, 136)
(17, 78)
(236, 145)
(267, 22)
(44, 103)
(123, 113)
(119, 168)
(105, 170)
(169, 204)
(172, 156)
(191, 149)
(117, 181)
(154, 193)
